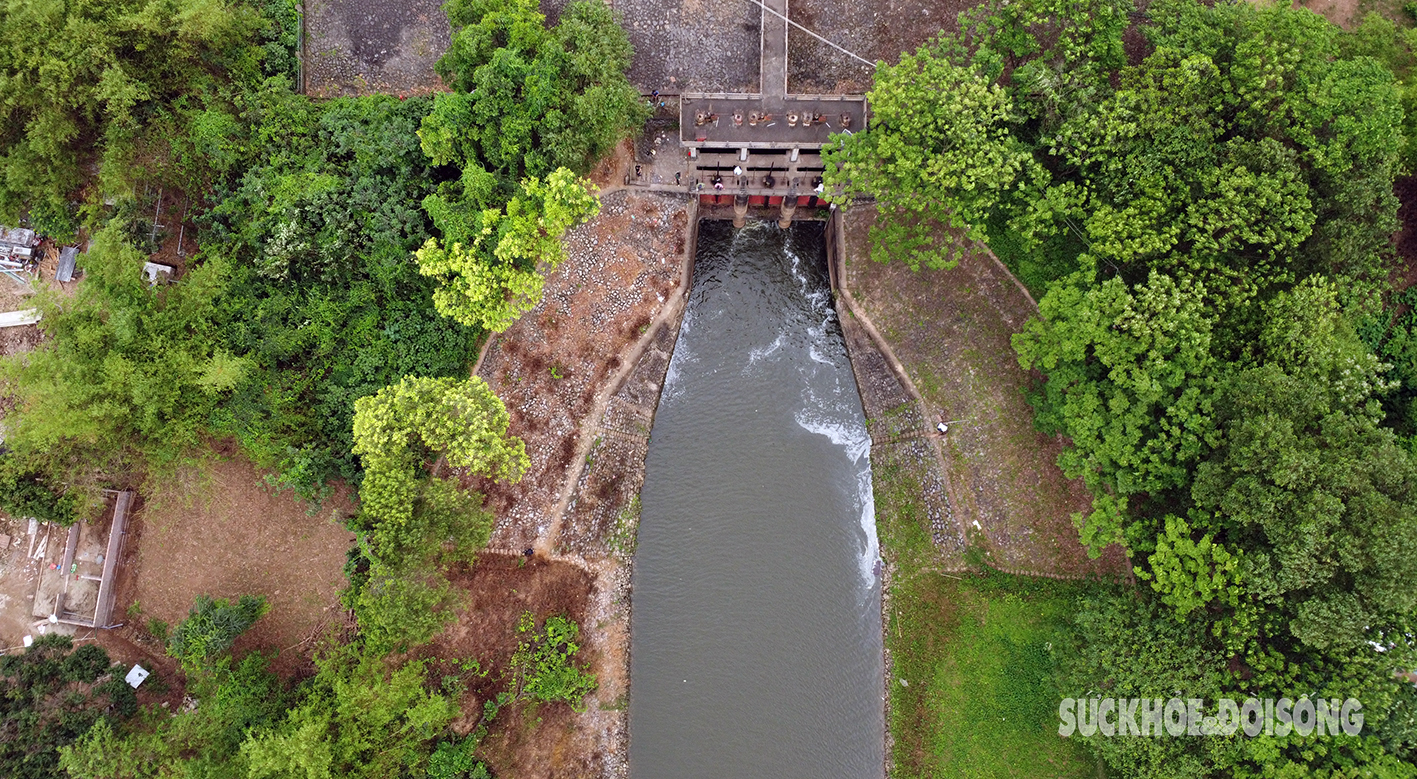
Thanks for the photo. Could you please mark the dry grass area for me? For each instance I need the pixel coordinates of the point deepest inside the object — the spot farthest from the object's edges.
(951, 329)
(219, 530)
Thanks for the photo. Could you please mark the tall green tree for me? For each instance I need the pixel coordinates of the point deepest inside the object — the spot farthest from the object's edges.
(939, 153)
(496, 276)
(360, 718)
(92, 82)
(399, 427)
(533, 108)
(411, 524)
(1131, 383)
(128, 373)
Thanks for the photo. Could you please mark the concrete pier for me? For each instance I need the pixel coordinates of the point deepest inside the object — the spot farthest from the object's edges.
(756, 149)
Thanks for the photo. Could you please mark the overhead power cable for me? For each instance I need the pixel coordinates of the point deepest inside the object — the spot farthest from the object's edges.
(814, 35)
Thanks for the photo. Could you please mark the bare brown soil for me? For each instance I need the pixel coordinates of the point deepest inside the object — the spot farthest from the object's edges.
(14, 340)
(951, 331)
(219, 530)
(548, 740)
(13, 297)
(176, 240)
(1344, 13)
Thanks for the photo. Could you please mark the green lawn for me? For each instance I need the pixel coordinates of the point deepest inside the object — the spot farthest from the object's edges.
(974, 650)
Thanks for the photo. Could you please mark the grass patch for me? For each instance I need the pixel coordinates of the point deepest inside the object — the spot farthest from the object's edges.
(623, 538)
(975, 651)
(902, 519)
(980, 698)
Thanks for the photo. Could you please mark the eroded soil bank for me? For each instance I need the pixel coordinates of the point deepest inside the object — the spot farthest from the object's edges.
(946, 337)
(932, 347)
(580, 375)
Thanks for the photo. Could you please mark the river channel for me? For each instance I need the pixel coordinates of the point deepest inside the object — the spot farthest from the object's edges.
(756, 633)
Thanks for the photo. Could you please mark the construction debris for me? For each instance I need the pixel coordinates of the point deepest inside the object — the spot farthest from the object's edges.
(68, 258)
(27, 316)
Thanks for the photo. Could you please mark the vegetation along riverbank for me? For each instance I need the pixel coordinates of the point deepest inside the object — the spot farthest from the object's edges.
(1201, 199)
(361, 315)
(337, 265)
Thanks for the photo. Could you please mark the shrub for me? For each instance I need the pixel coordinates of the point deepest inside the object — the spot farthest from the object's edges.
(211, 627)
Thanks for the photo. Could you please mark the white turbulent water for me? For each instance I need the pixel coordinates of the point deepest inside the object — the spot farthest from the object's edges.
(756, 644)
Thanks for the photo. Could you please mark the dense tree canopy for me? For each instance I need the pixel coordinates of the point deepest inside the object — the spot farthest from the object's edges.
(533, 109)
(325, 300)
(1208, 226)
(97, 82)
(529, 99)
(236, 699)
(128, 373)
(311, 326)
(50, 694)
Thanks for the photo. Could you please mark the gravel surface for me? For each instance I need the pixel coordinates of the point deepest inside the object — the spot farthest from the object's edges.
(359, 46)
(714, 45)
(874, 29)
(602, 310)
(693, 45)
(550, 367)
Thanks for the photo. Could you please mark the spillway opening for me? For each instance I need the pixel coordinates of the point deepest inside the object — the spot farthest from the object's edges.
(756, 627)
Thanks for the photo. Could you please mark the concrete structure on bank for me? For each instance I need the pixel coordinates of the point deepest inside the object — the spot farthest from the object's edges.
(764, 148)
(77, 581)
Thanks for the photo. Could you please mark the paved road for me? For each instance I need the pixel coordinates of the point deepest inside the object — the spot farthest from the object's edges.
(774, 58)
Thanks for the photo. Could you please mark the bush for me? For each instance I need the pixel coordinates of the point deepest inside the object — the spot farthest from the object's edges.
(50, 695)
(27, 492)
(543, 665)
(211, 627)
(455, 760)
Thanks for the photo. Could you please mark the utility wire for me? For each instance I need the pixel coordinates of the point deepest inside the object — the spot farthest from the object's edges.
(814, 35)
